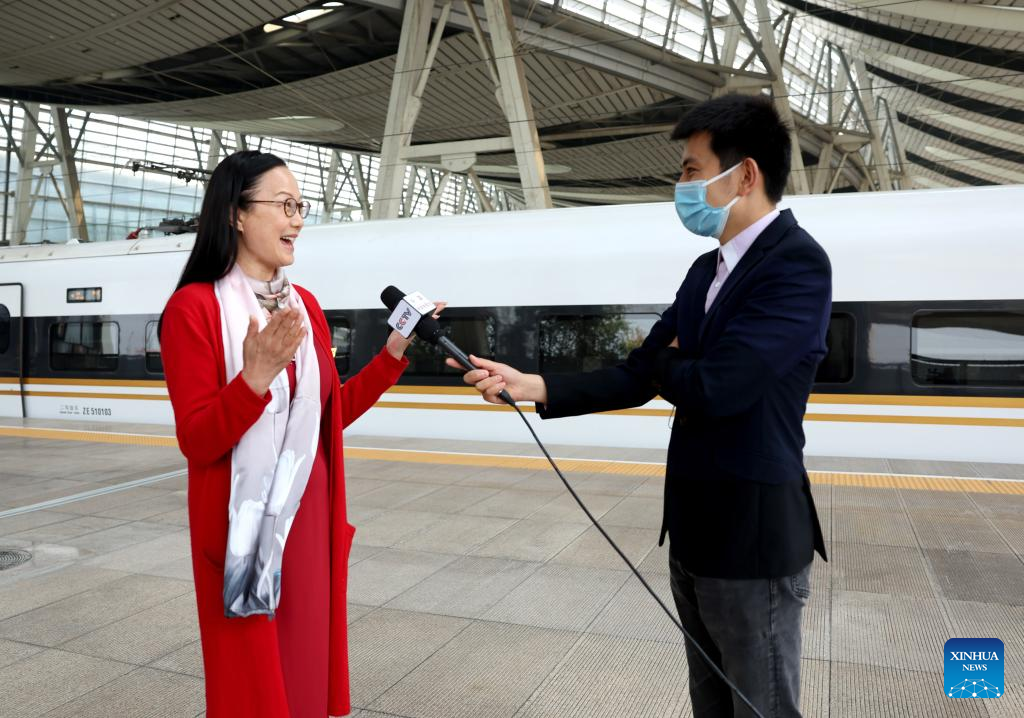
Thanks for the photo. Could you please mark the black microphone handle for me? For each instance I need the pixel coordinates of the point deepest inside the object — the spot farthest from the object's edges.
(458, 355)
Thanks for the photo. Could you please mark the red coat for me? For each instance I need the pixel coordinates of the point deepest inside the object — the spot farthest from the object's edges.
(240, 655)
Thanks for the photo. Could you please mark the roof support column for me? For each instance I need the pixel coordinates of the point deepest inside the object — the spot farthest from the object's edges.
(878, 157)
(461, 194)
(73, 206)
(216, 147)
(837, 174)
(485, 202)
(435, 201)
(515, 100)
(821, 174)
(11, 148)
(24, 197)
(331, 185)
(892, 131)
(412, 68)
(732, 34)
(413, 177)
(362, 192)
(780, 94)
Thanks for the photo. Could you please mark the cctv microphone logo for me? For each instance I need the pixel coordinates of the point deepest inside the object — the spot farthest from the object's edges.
(404, 319)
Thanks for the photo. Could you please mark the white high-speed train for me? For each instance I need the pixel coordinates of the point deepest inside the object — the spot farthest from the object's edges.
(926, 342)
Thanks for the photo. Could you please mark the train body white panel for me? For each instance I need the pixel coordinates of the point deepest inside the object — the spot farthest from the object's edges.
(916, 246)
(998, 444)
(10, 404)
(591, 430)
(896, 246)
(84, 407)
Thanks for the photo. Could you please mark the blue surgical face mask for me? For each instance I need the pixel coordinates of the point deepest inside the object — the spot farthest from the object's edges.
(693, 209)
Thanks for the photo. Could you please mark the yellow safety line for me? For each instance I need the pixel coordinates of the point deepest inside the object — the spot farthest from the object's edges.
(507, 462)
(590, 466)
(990, 402)
(97, 437)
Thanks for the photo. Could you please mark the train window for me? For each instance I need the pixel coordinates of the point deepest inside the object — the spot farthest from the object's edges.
(5, 329)
(837, 366)
(154, 362)
(83, 346)
(341, 343)
(473, 334)
(977, 348)
(573, 343)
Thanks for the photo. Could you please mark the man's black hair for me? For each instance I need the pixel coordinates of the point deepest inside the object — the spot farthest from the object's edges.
(743, 126)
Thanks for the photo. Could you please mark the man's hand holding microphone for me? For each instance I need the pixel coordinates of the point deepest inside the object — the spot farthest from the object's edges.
(497, 383)
(491, 378)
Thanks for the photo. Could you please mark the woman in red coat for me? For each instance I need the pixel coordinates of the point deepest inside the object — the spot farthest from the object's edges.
(259, 414)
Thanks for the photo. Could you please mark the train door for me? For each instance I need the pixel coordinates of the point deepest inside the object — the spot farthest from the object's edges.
(12, 369)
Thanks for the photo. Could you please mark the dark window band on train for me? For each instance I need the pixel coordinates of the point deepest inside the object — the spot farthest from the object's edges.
(154, 362)
(875, 348)
(341, 343)
(968, 348)
(577, 342)
(5, 329)
(837, 366)
(84, 345)
(474, 333)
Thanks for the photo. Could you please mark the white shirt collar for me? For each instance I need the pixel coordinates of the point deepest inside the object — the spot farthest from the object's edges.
(732, 251)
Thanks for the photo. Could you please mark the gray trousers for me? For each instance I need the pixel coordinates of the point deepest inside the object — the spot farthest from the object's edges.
(751, 629)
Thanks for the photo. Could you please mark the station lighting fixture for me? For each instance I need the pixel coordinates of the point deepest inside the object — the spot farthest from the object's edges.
(303, 16)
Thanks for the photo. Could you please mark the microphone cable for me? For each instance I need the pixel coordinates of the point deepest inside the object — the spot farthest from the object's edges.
(429, 330)
(686, 634)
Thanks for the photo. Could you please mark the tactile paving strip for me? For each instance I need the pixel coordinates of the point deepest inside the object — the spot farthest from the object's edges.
(611, 677)
(860, 690)
(488, 670)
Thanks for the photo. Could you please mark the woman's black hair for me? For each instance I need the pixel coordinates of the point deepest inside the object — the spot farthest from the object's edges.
(230, 189)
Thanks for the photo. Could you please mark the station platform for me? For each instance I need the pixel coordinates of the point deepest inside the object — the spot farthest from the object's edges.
(478, 589)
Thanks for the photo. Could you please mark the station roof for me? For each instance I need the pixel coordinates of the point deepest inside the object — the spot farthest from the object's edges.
(607, 79)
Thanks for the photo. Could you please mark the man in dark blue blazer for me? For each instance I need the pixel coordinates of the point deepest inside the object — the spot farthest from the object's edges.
(736, 353)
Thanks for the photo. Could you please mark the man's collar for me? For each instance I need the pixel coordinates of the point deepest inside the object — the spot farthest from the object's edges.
(732, 251)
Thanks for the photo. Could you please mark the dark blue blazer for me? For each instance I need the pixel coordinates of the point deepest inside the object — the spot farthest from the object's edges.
(737, 499)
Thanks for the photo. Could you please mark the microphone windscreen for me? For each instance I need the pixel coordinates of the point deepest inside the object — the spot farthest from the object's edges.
(391, 296)
(428, 329)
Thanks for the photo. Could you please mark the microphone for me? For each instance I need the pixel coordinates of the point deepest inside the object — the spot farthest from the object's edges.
(410, 310)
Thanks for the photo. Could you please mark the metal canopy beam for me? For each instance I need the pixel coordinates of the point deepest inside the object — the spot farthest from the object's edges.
(769, 53)
(627, 57)
(987, 17)
(73, 206)
(516, 103)
(24, 195)
(411, 72)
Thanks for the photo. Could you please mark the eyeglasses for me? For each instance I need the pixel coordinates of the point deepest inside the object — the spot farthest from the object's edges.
(290, 206)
